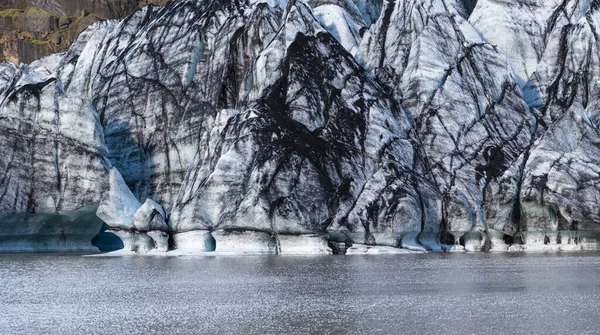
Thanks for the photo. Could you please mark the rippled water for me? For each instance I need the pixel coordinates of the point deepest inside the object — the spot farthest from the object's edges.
(399, 294)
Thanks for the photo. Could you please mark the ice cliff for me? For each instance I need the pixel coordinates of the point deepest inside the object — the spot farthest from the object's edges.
(298, 127)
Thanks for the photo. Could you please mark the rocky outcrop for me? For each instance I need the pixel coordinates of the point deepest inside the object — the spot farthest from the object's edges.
(316, 126)
(32, 29)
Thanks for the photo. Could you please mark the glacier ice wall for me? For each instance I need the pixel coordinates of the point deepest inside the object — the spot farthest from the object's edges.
(282, 126)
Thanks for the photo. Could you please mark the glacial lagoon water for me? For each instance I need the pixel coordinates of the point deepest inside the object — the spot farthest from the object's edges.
(383, 294)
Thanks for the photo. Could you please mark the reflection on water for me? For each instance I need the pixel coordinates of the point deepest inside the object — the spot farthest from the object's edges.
(433, 293)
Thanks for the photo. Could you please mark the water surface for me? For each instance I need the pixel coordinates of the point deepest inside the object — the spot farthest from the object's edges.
(429, 294)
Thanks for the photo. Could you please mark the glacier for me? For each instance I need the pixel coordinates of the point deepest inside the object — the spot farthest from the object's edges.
(309, 127)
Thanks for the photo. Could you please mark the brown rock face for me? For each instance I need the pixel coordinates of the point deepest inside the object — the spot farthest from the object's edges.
(30, 29)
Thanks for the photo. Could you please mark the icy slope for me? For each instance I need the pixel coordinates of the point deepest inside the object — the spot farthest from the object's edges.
(53, 163)
(323, 148)
(346, 20)
(469, 111)
(526, 30)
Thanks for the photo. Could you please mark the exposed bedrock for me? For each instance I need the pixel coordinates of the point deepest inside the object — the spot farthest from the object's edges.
(30, 29)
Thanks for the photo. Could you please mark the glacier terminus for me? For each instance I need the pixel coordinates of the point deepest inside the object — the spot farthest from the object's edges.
(309, 127)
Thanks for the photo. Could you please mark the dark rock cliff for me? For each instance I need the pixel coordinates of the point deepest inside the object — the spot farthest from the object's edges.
(31, 29)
